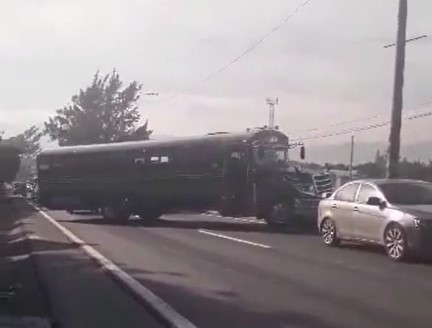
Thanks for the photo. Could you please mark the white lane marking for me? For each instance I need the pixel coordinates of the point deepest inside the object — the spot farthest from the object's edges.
(215, 215)
(165, 310)
(233, 239)
(16, 258)
(34, 236)
(17, 240)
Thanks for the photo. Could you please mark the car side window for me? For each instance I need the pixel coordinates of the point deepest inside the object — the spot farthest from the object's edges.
(367, 191)
(347, 193)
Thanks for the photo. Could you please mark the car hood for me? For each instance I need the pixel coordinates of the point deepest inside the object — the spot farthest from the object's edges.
(421, 211)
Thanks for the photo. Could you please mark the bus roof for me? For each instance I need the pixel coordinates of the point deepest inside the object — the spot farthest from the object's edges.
(218, 137)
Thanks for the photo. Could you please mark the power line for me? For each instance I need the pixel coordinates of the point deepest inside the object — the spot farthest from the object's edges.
(362, 128)
(245, 52)
(359, 120)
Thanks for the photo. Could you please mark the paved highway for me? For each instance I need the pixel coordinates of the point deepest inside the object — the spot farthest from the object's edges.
(223, 272)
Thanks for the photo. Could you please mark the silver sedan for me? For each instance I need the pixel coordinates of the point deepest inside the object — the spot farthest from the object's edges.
(396, 214)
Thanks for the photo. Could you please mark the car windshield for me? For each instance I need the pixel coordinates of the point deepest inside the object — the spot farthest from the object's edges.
(411, 193)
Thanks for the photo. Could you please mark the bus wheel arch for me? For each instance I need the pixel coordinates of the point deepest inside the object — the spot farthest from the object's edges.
(117, 210)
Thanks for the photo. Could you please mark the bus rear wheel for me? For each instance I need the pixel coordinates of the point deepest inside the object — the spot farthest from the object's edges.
(115, 214)
(150, 214)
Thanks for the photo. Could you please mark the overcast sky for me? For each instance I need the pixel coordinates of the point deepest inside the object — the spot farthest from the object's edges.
(326, 65)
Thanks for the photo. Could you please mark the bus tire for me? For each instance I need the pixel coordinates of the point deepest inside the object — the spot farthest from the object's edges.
(115, 214)
(279, 216)
(150, 214)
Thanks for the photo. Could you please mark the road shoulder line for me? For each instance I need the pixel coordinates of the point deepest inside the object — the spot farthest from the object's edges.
(162, 309)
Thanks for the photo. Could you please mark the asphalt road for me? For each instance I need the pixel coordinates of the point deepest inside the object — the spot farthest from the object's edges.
(223, 272)
(77, 292)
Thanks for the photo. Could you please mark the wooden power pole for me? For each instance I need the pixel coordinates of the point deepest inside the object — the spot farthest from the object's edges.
(396, 116)
(351, 158)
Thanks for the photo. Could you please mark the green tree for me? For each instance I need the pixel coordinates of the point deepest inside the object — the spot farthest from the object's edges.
(9, 162)
(104, 112)
(376, 169)
(27, 144)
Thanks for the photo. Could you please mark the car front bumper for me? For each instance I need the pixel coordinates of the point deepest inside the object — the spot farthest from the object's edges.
(420, 239)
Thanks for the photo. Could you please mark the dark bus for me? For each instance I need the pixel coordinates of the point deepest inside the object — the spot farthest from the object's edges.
(237, 174)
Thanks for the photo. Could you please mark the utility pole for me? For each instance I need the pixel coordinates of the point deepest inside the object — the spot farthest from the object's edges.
(396, 116)
(272, 102)
(351, 159)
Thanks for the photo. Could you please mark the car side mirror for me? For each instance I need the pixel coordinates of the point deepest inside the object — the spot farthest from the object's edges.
(302, 152)
(376, 201)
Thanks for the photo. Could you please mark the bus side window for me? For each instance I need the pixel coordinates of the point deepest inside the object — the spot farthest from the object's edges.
(235, 154)
(154, 159)
(159, 159)
(140, 160)
(164, 159)
(261, 153)
(44, 164)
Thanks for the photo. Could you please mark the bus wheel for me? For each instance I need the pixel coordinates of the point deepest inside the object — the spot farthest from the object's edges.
(96, 211)
(150, 214)
(280, 216)
(226, 206)
(115, 214)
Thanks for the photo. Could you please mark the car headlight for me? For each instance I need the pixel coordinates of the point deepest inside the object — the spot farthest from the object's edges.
(417, 222)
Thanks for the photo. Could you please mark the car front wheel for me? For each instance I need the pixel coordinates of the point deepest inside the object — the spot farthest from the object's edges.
(328, 233)
(395, 243)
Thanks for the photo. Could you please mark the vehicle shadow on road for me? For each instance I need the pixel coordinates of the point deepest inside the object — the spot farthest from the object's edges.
(204, 308)
(379, 250)
(202, 224)
(367, 248)
(224, 308)
(20, 290)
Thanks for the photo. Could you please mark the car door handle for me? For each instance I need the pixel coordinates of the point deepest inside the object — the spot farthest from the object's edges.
(355, 209)
(334, 206)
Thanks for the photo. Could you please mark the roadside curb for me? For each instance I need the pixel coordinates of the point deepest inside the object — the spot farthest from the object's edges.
(28, 321)
(153, 303)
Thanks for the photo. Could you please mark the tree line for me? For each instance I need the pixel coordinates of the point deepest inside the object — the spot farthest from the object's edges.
(106, 111)
(377, 168)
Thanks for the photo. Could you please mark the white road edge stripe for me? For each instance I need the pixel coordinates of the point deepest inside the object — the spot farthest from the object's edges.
(233, 239)
(165, 310)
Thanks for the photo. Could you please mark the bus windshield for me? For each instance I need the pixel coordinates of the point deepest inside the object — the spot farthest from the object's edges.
(271, 155)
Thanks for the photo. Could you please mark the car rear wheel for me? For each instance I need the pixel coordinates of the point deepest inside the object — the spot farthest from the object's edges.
(329, 233)
(395, 243)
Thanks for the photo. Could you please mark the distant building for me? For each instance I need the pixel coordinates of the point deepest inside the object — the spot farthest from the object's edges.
(339, 177)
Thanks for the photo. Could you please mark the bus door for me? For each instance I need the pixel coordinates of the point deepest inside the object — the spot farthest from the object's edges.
(236, 181)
